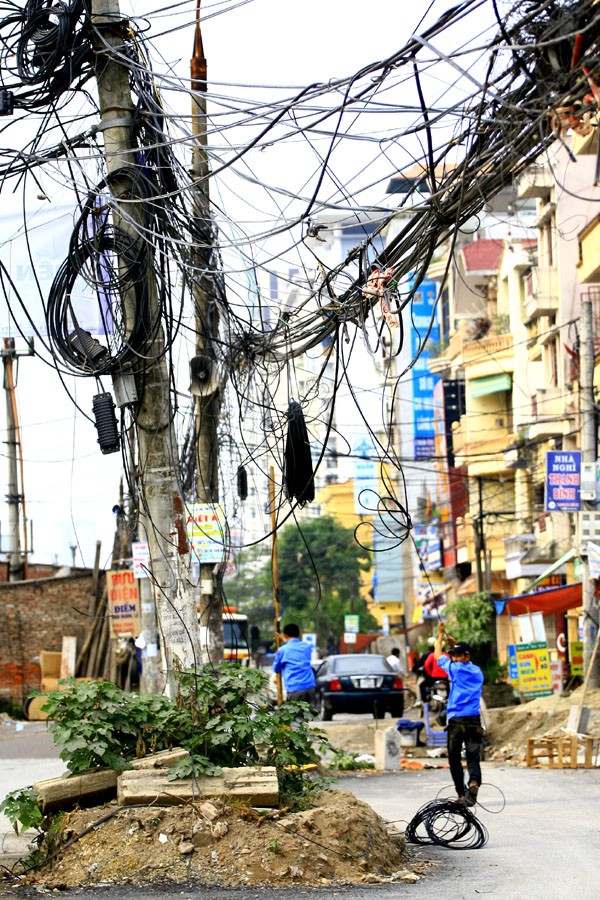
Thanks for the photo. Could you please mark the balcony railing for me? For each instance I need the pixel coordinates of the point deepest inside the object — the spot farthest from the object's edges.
(540, 293)
(589, 252)
(493, 345)
(535, 181)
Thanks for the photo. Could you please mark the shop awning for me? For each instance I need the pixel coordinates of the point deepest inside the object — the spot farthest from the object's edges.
(491, 384)
(548, 602)
(567, 557)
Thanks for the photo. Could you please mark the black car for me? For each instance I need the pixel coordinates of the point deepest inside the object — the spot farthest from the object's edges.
(359, 683)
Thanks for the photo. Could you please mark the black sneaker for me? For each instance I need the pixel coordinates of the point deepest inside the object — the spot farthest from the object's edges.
(471, 798)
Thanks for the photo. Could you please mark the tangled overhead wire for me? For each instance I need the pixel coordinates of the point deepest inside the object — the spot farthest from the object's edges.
(50, 43)
(447, 823)
(466, 140)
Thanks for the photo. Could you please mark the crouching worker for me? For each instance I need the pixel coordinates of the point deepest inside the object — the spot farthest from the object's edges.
(292, 660)
(464, 714)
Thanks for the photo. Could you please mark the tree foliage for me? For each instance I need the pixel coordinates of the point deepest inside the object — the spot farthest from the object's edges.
(471, 619)
(319, 568)
(319, 577)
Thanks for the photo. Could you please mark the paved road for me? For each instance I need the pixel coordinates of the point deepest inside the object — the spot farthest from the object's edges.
(545, 844)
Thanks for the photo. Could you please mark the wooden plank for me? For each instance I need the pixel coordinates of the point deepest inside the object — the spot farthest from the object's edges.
(165, 759)
(68, 657)
(66, 791)
(256, 785)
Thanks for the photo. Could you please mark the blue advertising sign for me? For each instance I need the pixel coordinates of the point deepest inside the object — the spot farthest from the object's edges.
(424, 327)
(563, 480)
(513, 669)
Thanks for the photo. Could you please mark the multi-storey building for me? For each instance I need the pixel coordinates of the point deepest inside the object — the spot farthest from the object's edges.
(517, 346)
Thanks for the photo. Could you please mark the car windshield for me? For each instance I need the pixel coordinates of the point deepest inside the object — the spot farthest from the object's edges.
(360, 665)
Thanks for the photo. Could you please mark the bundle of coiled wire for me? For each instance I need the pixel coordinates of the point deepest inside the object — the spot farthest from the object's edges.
(51, 43)
(447, 823)
(114, 262)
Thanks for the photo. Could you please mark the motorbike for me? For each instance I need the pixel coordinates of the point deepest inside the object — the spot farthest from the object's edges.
(438, 701)
(436, 697)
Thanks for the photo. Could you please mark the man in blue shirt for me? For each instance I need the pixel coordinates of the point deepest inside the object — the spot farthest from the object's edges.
(464, 717)
(292, 660)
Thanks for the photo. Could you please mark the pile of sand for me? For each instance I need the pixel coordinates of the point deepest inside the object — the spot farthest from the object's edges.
(341, 840)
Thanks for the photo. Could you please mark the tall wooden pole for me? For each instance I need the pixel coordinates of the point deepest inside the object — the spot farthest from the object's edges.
(161, 508)
(205, 384)
(275, 576)
(588, 454)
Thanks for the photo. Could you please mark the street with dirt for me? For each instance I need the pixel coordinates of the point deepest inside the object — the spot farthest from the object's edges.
(543, 829)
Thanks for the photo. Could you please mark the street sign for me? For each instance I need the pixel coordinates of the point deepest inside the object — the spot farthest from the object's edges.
(563, 480)
(123, 603)
(207, 532)
(351, 623)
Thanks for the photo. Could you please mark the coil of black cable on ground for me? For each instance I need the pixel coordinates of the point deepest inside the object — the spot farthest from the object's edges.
(447, 823)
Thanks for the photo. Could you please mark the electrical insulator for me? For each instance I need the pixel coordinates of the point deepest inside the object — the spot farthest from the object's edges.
(242, 483)
(106, 423)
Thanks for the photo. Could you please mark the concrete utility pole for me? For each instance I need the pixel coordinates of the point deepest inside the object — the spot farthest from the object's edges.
(204, 375)
(161, 508)
(15, 498)
(589, 446)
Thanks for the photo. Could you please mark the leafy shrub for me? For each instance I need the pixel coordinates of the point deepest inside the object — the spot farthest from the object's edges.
(218, 716)
(98, 724)
(20, 806)
(348, 761)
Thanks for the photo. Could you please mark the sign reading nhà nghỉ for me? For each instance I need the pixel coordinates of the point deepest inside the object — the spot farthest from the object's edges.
(123, 603)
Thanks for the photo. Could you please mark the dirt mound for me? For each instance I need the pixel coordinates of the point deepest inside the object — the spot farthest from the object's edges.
(341, 840)
(510, 727)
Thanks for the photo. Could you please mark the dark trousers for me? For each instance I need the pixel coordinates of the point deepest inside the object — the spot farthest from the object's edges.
(465, 731)
(308, 695)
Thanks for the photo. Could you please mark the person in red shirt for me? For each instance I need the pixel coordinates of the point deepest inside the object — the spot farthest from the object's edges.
(432, 669)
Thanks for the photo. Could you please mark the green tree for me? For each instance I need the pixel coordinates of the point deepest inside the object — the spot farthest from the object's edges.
(319, 577)
(472, 619)
(250, 590)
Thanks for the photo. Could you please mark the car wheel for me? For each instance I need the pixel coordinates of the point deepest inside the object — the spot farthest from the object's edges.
(396, 711)
(325, 711)
(379, 711)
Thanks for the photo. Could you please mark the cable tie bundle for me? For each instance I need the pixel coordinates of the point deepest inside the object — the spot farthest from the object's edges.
(298, 474)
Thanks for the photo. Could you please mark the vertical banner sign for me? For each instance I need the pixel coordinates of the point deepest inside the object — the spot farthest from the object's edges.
(533, 665)
(140, 552)
(123, 603)
(513, 669)
(576, 657)
(424, 327)
(563, 480)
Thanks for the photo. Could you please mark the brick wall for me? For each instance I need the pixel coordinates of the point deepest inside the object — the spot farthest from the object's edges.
(34, 616)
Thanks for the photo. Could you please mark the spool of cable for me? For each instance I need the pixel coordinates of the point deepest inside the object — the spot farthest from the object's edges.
(106, 423)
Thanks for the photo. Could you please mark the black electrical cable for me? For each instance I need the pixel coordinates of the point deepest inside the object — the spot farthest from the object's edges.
(447, 823)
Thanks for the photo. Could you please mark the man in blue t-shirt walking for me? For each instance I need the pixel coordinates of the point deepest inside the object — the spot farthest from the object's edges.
(464, 716)
(292, 660)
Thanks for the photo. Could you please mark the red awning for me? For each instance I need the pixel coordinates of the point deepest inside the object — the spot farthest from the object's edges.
(552, 600)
